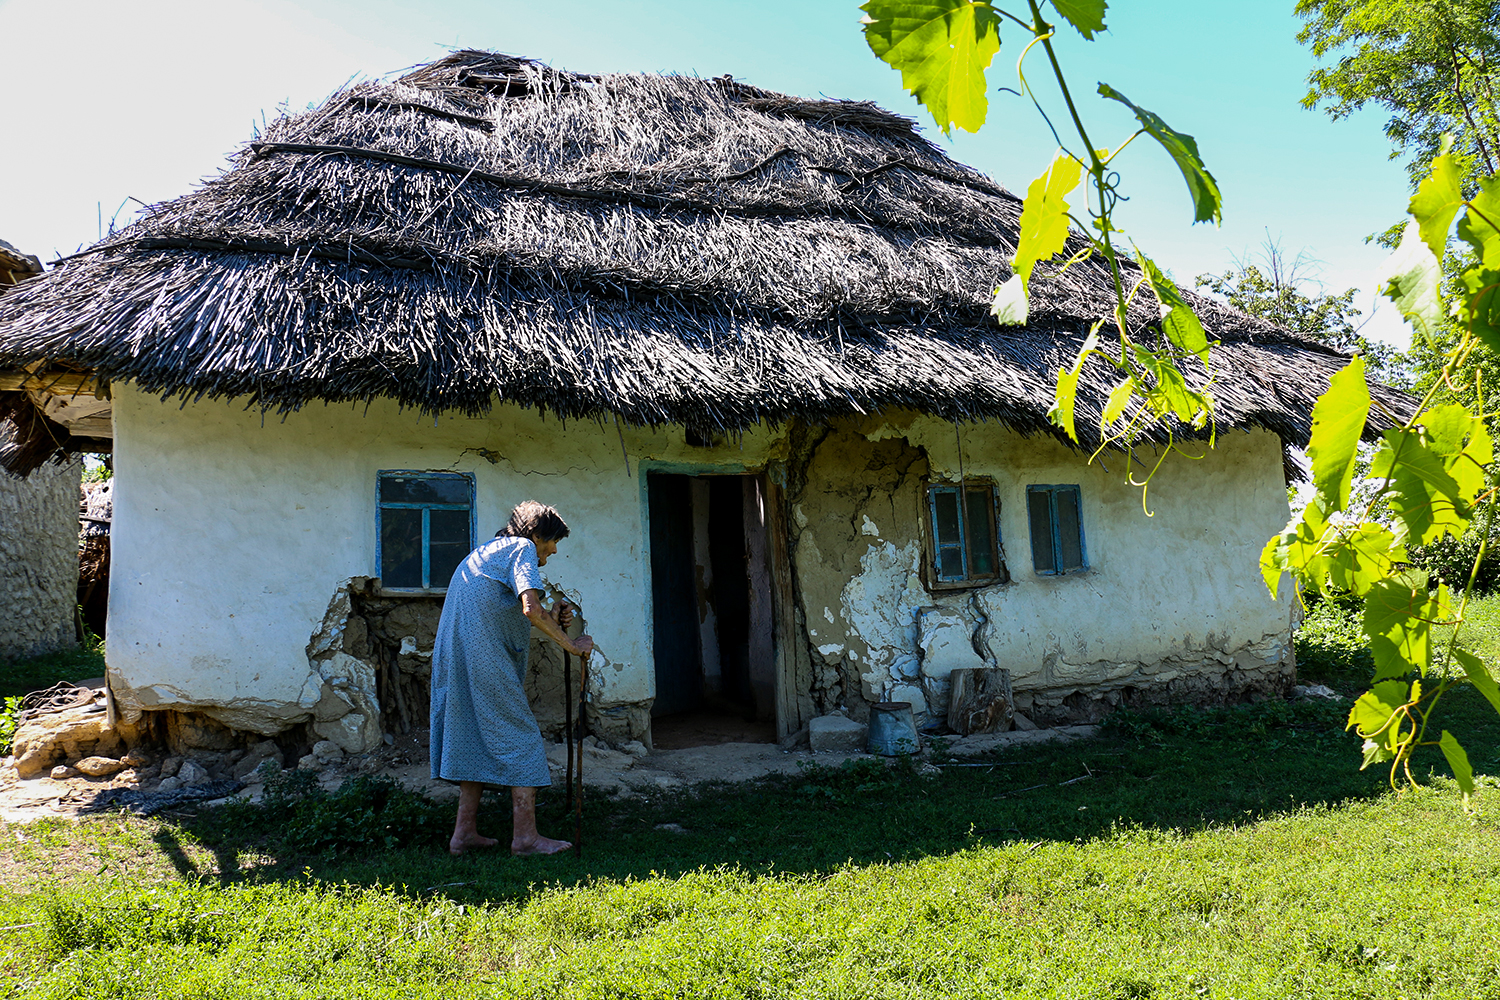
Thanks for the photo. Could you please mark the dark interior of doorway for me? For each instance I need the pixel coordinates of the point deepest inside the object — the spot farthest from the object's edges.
(712, 616)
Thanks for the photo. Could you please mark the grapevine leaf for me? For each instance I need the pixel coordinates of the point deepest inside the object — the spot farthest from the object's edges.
(1085, 15)
(1371, 715)
(942, 48)
(1479, 307)
(1119, 397)
(1273, 563)
(1423, 493)
(1409, 278)
(1362, 555)
(1009, 306)
(1207, 204)
(1478, 226)
(1396, 620)
(1305, 555)
(1479, 676)
(1061, 411)
(1178, 320)
(1376, 753)
(1044, 214)
(1437, 201)
(1171, 394)
(1463, 773)
(1338, 419)
(1464, 444)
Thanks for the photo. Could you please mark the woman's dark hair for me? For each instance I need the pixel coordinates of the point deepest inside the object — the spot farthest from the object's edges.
(535, 520)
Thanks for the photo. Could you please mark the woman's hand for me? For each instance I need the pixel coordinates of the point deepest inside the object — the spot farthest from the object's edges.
(583, 645)
(562, 613)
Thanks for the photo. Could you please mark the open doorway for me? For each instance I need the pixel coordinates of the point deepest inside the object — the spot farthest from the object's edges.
(713, 611)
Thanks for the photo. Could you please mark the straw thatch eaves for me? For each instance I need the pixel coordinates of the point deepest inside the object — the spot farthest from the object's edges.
(667, 249)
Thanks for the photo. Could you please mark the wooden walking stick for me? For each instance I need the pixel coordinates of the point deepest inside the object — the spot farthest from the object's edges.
(568, 717)
(583, 689)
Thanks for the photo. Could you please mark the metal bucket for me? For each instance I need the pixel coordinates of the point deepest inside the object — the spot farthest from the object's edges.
(893, 731)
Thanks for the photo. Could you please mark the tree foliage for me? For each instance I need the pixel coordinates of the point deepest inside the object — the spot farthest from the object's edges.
(1433, 65)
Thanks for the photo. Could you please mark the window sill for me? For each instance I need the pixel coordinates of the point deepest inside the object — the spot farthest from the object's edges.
(410, 592)
(949, 586)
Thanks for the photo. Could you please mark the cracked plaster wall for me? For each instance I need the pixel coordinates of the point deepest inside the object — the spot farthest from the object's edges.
(233, 531)
(1172, 606)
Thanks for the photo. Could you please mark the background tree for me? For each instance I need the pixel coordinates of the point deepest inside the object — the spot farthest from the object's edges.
(1434, 65)
(1284, 290)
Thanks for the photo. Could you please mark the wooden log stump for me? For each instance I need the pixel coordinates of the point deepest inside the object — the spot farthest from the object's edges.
(981, 701)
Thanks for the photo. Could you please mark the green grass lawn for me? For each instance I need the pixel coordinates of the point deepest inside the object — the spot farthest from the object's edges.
(1234, 853)
(18, 677)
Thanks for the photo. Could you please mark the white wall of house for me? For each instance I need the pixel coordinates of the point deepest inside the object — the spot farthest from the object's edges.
(1173, 601)
(232, 532)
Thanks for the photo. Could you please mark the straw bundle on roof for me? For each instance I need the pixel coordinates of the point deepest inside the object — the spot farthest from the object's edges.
(667, 249)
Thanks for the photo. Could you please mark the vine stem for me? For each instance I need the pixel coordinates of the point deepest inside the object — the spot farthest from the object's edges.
(1043, 31)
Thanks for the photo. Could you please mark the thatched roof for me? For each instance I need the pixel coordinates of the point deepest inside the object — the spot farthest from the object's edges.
(666, 249)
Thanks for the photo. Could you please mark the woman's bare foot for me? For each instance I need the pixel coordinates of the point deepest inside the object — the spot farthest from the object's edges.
(538, 845)
(459, 844)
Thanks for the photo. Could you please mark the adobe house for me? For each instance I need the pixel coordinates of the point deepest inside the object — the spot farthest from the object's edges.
(739, 339)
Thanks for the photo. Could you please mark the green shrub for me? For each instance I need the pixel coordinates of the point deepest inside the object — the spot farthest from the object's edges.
(9, 720)
(1331, 645)
(1451, 560)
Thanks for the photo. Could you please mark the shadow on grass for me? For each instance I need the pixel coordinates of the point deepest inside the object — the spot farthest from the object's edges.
(1183, 771)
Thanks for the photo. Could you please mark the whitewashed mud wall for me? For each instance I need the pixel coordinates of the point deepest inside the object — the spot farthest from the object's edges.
(39, 560)
(236, 542)
(235, 538)
(1172, 607)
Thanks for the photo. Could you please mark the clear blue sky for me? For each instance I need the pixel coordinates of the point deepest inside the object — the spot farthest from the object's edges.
(108, 100)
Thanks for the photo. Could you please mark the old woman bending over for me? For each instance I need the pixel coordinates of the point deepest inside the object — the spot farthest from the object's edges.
(483, 732)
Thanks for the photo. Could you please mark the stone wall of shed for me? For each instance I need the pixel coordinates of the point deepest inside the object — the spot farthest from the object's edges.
(39, 560)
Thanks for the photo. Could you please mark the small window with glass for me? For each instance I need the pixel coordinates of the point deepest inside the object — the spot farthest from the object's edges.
(424, 528)
(1055, 513)
(965, 535)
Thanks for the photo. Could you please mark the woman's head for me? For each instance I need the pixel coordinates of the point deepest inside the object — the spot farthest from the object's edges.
(535, 521)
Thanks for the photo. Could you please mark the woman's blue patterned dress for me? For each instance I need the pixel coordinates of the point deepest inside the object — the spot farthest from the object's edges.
(482, 726)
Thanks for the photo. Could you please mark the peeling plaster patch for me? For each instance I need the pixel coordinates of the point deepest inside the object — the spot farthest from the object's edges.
(880, 605)
(833, 649)
(869, 528)
(827, 613)
(799, 516)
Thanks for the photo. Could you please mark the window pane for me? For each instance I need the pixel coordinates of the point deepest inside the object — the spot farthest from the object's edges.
(945, 517)
(400, 548)
(980, 533)
(1039, 513)
(448, 544)
(424, 489)
(1070, 534)
(950, 563)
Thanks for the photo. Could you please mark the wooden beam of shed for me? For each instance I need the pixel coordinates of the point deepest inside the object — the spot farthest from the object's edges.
(56, 383)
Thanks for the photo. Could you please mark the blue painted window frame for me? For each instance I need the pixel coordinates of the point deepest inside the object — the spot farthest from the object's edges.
(426, 509)
(966, 578)
(1053, 537)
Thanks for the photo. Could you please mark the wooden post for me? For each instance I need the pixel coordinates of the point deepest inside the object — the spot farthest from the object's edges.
(981, 701)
